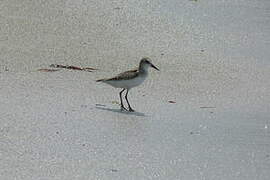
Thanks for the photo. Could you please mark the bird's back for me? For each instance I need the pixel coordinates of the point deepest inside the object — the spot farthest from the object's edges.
(122, 76)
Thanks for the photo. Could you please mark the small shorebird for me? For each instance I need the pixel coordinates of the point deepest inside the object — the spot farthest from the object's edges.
(130, 79)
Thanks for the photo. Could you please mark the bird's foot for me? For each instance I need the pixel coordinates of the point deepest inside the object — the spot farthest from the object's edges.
(131, 110)
(123, 108)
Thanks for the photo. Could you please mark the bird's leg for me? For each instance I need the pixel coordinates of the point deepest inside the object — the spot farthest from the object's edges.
(129, 107)
(122, 105)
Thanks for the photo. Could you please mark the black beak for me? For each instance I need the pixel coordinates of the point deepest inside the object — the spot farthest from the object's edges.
(154, 67)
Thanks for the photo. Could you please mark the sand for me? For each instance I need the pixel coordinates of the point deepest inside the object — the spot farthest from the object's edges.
(205, 115)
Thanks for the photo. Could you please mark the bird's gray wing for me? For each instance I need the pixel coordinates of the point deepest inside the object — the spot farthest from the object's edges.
(125, 75)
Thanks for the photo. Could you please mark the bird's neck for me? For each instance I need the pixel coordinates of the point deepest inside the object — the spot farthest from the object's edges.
(143, 69)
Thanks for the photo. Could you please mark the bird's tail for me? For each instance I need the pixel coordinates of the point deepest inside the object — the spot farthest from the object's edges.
(100, 80)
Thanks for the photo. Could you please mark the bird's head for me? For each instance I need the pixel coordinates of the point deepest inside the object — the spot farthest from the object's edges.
(146, 63)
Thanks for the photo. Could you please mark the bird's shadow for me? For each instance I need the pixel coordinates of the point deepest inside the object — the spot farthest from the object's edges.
(121, 111)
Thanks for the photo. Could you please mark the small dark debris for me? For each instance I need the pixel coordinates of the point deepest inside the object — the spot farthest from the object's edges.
(47, 70)
(162, 54)
(117, 8)
(57, 132)
(83, 145)
(114, 170)
(191, 133)
(65, 113)
(211, 112)
(202, 50)
(267, 155)
(171, 101)
(89, 69)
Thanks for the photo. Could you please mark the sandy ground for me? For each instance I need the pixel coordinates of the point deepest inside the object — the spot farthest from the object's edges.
(214, 61)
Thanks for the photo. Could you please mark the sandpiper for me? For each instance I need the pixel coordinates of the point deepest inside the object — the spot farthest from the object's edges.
(130, 79)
